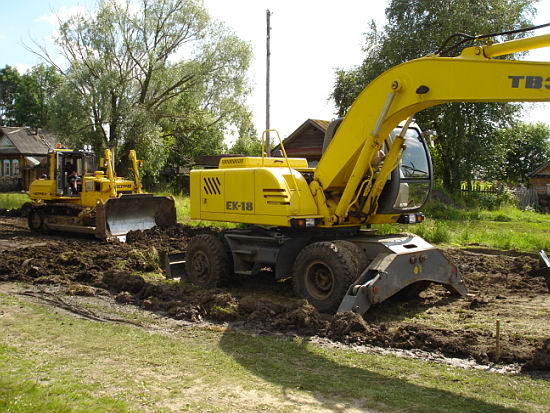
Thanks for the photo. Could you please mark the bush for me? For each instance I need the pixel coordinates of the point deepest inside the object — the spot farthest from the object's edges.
(434, 231)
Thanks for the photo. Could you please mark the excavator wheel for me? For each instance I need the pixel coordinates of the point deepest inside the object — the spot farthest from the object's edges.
(35, 221)
(323, 272)
(207, 261)
(358, 254)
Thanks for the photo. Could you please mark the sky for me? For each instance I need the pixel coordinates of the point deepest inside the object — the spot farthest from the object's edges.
(310, 39)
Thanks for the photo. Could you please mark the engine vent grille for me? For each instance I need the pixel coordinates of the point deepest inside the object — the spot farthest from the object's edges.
(276, 196)
(212, 185)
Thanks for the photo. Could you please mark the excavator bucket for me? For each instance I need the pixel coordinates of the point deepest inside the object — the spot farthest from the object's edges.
(402, 264)
(118, 216)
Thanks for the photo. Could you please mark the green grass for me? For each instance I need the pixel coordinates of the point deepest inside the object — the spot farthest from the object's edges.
(13, 200)
(50, 361)
(523, 236)
(183, 212)
(506, 228)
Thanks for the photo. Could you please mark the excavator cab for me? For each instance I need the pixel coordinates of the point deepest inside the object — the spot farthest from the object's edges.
(409, 185)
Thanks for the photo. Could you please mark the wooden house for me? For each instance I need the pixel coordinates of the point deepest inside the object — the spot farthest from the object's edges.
(539, 179)
(306, 141)
(23, 156)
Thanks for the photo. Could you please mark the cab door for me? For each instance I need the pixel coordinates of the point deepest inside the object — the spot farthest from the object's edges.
(59, 178)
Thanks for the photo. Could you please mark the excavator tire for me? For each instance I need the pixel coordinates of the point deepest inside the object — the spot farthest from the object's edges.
(358, 254)
(207, 261)
(323, 272)
(35, 220)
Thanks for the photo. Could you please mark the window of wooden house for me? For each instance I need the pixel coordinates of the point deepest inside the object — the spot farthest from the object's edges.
(7, 167)
(15, 167)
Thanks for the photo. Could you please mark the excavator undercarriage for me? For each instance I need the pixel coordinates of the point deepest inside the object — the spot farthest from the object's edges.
(335, 270)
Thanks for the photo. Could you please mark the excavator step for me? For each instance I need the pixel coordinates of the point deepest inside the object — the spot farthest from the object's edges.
(174, 264)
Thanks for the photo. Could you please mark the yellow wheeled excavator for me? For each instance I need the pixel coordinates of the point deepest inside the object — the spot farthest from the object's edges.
(311, 224)
(76, 196)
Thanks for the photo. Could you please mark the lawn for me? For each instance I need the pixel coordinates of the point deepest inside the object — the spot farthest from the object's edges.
(504, 228)
(13, 200)
(52, 361)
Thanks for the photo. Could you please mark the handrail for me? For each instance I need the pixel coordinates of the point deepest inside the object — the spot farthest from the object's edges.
(284, 154)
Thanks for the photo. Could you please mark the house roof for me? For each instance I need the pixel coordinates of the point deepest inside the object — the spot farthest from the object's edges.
(321, 125)
(25, 141)
(541, 169)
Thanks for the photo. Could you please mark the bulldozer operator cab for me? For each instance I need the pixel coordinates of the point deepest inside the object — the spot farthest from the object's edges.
(69, 168)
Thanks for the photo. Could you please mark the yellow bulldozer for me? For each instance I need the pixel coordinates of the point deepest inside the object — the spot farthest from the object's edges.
(77, 196)
(312, 224)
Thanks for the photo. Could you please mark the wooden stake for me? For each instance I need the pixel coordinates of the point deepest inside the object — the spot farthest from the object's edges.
(497, 337)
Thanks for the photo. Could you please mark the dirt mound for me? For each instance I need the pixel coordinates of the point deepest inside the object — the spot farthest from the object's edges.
(499, 272)
(128, 272)
(343, 326)
(541, 358)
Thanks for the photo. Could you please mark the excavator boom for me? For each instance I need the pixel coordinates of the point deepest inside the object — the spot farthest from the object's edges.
(410, 87)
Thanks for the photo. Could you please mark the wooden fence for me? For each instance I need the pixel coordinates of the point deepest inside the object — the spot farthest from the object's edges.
(527, 197)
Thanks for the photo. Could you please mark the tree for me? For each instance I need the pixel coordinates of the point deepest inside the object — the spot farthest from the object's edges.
(527, 147)
(467, 138)
(247, 142)
(9, 80)
(34, 93)
(144, 76)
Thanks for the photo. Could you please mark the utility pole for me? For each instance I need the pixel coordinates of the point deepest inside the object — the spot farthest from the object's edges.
(267, 126)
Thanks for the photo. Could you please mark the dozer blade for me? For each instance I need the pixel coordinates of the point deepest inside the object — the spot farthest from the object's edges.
(116, 217)
(401, 262)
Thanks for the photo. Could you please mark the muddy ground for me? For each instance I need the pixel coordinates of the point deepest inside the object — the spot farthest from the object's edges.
(499, 283)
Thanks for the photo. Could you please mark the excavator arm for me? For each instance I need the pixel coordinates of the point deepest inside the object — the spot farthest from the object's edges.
(399, 93)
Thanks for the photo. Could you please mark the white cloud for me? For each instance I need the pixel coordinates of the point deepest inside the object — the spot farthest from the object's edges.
(3, 36)
(63, 13)
(22, 68)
